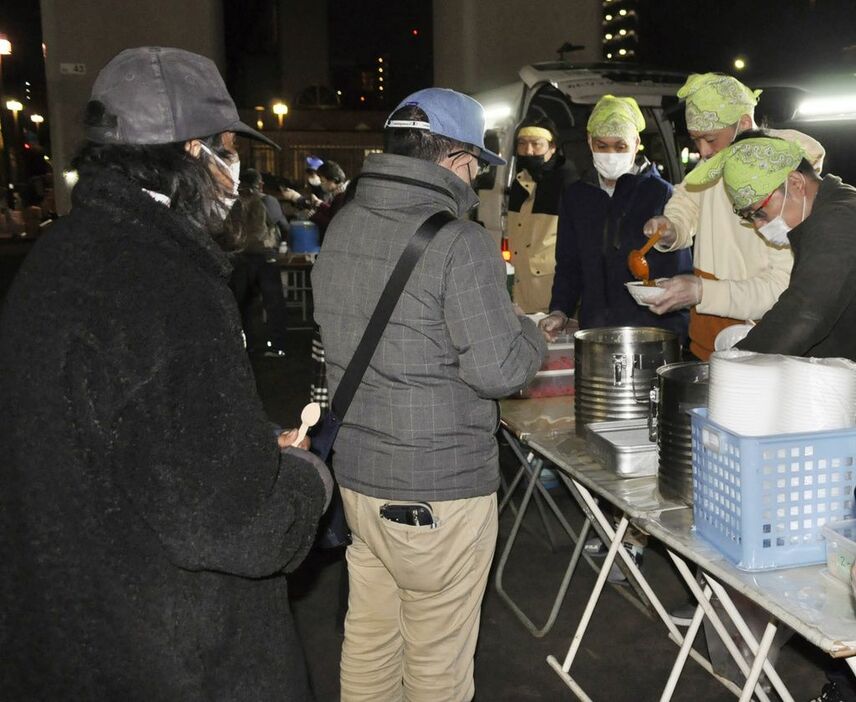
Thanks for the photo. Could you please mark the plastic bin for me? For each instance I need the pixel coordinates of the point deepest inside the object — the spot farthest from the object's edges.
(554, 383)
(304, 237)
(762, 500)
(560, 356)
(840, 548)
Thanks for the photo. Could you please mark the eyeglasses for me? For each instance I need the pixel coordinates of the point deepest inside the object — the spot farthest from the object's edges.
(751, 216)
(482, 165)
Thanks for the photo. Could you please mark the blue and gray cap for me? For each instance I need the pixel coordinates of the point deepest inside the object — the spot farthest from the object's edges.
(450, 114)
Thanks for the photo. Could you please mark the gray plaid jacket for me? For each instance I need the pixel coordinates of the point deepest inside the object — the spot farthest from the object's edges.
(422, 424)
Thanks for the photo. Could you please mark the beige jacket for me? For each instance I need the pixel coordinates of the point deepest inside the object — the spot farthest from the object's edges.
(750, 274)
(532, 241)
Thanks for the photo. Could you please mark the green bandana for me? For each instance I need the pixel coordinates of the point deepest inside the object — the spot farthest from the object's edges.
(751, 169)
(715, 101)
(616, 117)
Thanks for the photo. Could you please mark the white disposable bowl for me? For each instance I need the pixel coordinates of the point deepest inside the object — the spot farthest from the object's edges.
(645, 295)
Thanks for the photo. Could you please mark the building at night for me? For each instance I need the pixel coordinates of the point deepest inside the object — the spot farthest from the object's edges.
(482, 44)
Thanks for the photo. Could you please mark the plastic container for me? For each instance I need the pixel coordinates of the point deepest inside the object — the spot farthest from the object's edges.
(304, 237)
(553, 383)
(763, 500)
(840, 548)
(560, 356)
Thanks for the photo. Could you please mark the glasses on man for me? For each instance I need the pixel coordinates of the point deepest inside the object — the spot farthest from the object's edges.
(482, 166)
(535, 145)
(750, 216)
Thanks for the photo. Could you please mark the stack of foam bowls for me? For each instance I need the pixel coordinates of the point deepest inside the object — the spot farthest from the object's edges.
(817, 394)
(745, 391)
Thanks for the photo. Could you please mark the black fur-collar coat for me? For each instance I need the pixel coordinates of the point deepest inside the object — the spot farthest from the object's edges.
(146, 513)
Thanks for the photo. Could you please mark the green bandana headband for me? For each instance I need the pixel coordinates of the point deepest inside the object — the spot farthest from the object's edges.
(715, 101)
(751, 169)
(616, 117)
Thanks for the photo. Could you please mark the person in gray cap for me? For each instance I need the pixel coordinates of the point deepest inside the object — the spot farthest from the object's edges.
(420, 430)
(148, 510)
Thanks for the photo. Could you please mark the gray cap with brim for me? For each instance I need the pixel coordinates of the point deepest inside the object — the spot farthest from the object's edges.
(160, 95)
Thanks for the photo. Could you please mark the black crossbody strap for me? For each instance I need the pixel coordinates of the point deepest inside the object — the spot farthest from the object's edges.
(383, 311)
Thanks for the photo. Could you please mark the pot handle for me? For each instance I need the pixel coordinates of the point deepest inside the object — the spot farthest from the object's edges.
(619, 366)
(654, 411)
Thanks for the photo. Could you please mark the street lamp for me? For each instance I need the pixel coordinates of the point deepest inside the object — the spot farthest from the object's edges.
(5, 50)
(280, 109)
(38, 120)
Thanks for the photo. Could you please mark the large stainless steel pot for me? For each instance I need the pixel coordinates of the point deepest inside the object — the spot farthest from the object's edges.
(614, 370)
(679, 387)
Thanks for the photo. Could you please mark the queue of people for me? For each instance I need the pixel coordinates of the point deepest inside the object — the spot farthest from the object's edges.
(150, 510)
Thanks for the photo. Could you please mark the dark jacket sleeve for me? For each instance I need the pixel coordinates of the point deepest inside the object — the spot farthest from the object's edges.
(568, 281)
(274, 210)
(327, 210)
(822, 286)
(167, 387)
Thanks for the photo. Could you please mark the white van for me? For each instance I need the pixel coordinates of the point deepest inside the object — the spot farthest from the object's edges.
(566, 94)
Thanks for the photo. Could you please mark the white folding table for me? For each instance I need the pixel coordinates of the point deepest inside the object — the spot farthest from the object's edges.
(636, 498)
(808, 600)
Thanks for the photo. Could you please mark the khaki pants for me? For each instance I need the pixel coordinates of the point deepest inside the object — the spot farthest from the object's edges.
(415, 601)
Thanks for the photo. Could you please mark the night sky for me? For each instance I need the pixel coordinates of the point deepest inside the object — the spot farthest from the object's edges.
(779, 38)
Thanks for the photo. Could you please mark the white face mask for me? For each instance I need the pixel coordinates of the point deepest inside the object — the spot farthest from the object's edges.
(613, 166)
(776, 230)
(234, 171)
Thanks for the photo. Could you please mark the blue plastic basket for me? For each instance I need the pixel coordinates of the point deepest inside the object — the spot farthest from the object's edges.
(762, 500)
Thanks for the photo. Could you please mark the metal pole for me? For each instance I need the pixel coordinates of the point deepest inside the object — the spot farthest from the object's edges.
(7, 143)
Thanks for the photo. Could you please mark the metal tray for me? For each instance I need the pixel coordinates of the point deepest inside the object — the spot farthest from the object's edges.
(623, 447)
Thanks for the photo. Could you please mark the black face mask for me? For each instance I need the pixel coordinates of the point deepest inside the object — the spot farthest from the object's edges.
(536, 165)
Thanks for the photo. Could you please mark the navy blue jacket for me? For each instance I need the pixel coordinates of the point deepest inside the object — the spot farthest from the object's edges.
(596, 232)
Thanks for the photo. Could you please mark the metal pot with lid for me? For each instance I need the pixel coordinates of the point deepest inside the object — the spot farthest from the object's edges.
(615, 367)
(678, 388)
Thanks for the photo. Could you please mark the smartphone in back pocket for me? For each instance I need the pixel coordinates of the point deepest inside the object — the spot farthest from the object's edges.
(411, 513)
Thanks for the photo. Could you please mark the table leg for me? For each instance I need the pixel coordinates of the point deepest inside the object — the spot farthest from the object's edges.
(535, 474)
(526, 465)
(759, 662)
(686, 647)
(614, 547)
(749, 638)
(640, 601)
(705, 605)
(604, 526)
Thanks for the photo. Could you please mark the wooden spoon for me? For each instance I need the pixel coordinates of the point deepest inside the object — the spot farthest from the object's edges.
(308, 418)
(636, 259)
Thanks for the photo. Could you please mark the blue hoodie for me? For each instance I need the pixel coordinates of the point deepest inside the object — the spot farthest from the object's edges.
(596, 232)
